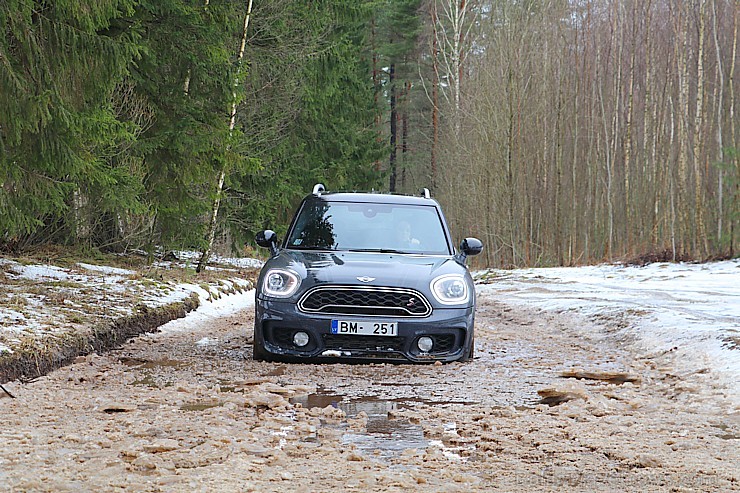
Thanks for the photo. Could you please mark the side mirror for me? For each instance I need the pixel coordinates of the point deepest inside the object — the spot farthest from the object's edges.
(471, 246)
(267, 239)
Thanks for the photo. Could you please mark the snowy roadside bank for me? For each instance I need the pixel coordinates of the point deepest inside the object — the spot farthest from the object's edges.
(689, 312)
(49, 315)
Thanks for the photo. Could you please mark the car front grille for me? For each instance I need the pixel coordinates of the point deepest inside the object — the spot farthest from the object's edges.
(350, 300)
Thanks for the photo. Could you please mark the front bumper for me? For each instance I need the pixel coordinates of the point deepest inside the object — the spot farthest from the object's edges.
(451, 329)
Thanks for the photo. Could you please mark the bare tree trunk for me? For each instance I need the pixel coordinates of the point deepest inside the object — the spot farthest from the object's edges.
(608, 193)
(559, 169)
(376, 87)
(222, 174)
(435, 97)
(720, 108)
(671, 177)
(681, 47)
(703, 245)
(405, 132)
(616, 127)
(394, 128)
(733, 134)
(80, 206)
(510, 166)
(572, 237)
(650, 129)
(628, 140)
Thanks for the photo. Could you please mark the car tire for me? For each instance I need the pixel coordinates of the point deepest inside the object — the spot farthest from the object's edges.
(258, 352)
(470, 353)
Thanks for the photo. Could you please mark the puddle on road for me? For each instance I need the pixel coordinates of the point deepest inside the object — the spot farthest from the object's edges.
(152, 369)
(727, 432)
(383, 437)
(203, 406)
(151, 364)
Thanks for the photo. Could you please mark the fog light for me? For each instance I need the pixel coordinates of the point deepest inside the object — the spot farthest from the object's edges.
(300, 339)
(425, 344)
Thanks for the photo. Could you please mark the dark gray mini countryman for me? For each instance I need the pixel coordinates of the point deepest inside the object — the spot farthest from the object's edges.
(366, 277)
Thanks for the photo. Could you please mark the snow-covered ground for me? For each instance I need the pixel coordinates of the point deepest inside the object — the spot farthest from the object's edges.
(189, 258)
(210, 310)
(689, 310)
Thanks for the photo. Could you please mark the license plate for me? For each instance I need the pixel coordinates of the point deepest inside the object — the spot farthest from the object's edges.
(364, 328)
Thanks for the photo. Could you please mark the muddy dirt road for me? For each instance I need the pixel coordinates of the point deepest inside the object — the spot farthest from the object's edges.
(190, 411)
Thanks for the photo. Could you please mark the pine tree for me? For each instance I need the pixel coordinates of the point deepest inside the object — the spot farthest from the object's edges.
(398, 28)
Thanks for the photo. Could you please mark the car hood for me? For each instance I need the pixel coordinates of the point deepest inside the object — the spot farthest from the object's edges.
(376, 269)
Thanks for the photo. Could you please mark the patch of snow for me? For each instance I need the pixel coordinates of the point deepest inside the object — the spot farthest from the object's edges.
(5, 349)
(12, 321)
(243, 262)
(450, 453)
(689, 310)
(107, 270)
(206, 341)
(173, 294)
(210, 310)
(41, 272)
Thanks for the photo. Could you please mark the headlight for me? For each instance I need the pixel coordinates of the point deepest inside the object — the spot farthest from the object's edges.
(450, 289)
(280, 283)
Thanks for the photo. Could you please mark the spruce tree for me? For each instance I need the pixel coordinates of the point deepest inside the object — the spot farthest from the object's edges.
(61, 63)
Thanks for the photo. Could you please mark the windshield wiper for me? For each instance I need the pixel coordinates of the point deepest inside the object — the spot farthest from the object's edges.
(299, 247)
(376, 250)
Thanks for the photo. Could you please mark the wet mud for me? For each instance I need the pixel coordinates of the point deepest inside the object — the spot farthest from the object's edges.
(190, 411)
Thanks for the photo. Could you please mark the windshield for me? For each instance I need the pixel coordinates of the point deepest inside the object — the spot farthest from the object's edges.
(369, 227)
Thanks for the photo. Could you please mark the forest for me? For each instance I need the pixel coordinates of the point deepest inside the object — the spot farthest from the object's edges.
(559, 132)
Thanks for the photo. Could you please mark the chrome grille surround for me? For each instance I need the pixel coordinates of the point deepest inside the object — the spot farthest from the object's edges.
(365, 301)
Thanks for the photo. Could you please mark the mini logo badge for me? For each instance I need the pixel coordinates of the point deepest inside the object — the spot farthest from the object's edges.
(365, 279)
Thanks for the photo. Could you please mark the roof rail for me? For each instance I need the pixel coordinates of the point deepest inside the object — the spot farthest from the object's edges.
(425, 193)
(318, 188)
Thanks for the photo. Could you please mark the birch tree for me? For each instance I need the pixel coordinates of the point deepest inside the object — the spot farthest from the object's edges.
(211, 232)
(454, 21)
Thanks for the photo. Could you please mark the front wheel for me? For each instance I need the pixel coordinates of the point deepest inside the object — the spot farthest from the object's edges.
(469, 354)
(258, 351)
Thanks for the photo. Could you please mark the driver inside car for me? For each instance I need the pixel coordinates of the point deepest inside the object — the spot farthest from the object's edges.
(404, 238)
